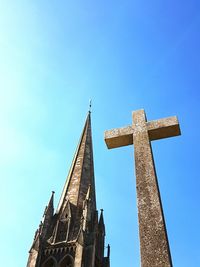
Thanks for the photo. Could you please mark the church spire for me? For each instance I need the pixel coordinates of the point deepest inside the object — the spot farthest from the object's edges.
(81, 174)
(72, 236)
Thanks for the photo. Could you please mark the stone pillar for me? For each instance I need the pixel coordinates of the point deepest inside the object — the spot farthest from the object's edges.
(78, 256)
(154, 245)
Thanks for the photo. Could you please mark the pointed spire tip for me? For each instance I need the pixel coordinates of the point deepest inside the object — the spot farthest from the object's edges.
(90, 105)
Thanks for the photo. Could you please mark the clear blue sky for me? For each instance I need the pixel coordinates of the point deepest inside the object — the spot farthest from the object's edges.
(125, 55)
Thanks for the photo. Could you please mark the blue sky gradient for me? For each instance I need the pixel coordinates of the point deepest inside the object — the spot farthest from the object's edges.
(54, 57)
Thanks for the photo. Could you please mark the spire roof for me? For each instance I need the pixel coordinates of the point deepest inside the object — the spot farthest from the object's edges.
(81, 174)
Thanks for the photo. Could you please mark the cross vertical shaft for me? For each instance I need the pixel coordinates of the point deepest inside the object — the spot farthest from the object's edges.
(152, 228)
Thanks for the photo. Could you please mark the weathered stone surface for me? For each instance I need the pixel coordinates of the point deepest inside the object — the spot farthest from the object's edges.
(119, 137)
(157, 129)
(163, 128)
(154, 245)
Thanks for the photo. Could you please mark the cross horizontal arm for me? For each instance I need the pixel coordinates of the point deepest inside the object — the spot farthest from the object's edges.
(119, 137)
(163, 128)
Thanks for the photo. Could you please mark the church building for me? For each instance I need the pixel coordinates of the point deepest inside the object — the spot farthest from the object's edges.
(73, 235)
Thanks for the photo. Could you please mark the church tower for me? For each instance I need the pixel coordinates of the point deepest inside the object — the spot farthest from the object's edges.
(73, 236)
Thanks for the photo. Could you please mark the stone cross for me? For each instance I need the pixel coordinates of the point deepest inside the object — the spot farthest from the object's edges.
(154, 246)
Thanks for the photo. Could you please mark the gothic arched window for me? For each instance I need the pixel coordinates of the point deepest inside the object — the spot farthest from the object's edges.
(67, 261)
(51, 262)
